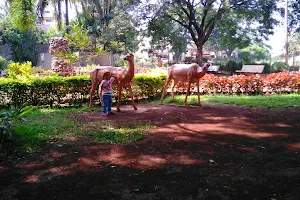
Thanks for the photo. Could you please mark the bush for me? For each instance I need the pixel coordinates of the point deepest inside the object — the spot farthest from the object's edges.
(22, 44)
(7, 119)
(232, 66)
(3, 63)
(74, 90)
(149, 85)
(267, 69)
(279, 66)
(19, 70)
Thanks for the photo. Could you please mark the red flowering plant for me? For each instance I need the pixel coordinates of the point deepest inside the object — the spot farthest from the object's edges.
(282, 82)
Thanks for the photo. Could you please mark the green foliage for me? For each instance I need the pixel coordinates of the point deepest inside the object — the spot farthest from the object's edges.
(44, 36)
(119, 62)
(110, 133)
(22, 44)
(267, 68)
(78, 38)
(7, 121)
(254, 53)
(22, 14)
(229, 34)
(3, 63)
(268, 101)
(45, 124)
(113, 30)
(69, 57)
(232, 66)
(149, 85)
(51, 91)
(294, 15)
(73, 91)
(17, 70)
(279, 66)
(164, 32)
(200, 18)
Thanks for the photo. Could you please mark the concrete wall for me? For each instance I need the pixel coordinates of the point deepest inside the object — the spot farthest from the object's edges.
(44, 60)
(5, 51)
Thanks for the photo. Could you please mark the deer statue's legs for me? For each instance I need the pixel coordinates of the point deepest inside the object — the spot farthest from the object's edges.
(132, 99)
(198, 92)
(187, 92)
(93, 88)
(164, 89)
(119, 97)
(174, 83)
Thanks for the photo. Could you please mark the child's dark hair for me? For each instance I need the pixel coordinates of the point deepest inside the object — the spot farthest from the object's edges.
(105, 73)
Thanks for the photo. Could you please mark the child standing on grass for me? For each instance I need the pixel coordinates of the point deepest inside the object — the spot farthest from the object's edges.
(105, 93)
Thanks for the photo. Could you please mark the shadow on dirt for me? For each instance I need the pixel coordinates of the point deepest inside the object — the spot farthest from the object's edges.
(210, 152)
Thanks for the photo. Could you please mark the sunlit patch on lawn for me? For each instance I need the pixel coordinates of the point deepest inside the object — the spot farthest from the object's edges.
(295, 146)
(282, 125)
(250, 149)
(32, 179)
(31, 165)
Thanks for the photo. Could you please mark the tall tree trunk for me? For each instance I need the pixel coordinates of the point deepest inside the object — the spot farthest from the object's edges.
(59, 14)
(67, 16)
(199, 57)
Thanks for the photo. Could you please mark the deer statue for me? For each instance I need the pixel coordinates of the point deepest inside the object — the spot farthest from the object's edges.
(123, 79)
(190, 73)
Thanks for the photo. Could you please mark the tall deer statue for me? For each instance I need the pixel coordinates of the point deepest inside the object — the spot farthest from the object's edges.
(123, 79)
(190, 73)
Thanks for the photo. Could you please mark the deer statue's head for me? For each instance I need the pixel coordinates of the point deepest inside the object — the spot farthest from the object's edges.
(205, 66)
(129, 57)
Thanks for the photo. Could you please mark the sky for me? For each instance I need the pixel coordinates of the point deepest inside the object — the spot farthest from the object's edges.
(277, 41)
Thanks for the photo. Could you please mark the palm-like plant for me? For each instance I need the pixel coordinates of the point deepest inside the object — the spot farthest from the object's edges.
(7, 120)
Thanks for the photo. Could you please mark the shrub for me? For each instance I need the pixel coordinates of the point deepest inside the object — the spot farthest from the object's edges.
(231, 66)
(71, 91)
(279, 66)
(7, 119)
(19, 70)
(267, 69)
(22, 44)
(148, 85)
(3, 63)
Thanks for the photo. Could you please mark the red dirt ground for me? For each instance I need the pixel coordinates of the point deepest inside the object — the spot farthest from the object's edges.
(213, 152)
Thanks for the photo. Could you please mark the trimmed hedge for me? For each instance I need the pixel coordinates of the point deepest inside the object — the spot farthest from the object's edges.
(70, 91)
(74, 90)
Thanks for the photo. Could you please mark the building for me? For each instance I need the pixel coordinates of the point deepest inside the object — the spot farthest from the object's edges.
(48, 21)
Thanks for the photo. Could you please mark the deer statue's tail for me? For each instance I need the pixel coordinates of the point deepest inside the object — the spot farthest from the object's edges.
(94, 74)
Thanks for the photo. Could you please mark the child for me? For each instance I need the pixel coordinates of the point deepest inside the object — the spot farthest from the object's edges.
(105, 92)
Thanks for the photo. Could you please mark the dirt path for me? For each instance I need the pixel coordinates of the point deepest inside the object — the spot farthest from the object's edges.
(213, 152)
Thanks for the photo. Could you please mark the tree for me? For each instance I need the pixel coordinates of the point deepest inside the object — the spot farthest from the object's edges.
(165, 33)
(229, 35)
(22, 14)
(109, 24)
(294, 45)
(200, 18)
(293, 14)
(254, 53)
(20, 31)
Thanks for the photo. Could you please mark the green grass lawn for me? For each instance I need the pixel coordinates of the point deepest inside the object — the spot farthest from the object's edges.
(48, 125)
(272, 101)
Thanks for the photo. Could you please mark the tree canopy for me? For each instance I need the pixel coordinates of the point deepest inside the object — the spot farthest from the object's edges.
(200, 18)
